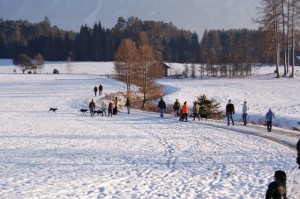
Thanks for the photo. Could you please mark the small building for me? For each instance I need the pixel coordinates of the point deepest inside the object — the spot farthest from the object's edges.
(161, 68)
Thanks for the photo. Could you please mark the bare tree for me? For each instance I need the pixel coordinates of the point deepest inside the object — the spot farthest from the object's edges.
(125, 57)
(283, 19)
(193, 70)
(69, 64)
(270, 14)
(295, 22)
(145, 61)
(39, 62)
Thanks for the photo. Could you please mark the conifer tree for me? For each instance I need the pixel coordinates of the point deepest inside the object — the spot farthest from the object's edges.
(210, 107)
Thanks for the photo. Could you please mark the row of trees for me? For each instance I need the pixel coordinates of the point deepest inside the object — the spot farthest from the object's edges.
(94, 43)
(219, 52)
(280, 21)
(136, 64)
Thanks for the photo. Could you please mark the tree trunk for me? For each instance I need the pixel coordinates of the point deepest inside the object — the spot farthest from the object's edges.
(283, 38)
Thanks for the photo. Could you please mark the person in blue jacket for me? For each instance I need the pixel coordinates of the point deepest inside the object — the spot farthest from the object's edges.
(270, 116)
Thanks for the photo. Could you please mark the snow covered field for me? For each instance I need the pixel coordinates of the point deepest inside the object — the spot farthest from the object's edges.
(68, 154)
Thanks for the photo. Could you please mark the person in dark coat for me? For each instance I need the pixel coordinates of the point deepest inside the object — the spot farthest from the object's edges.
(176, 108)
(270, 116)
(95, 90)
(115, 109)
(277, 188)
(229, 112)
(110, 109)
(100, 89)
(128, 105)
(92, 107)
(298, 154)
(162, 106)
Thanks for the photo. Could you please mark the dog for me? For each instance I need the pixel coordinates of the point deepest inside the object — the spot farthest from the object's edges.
(203, 115)
(83, 110)
(98, 112)
(52, 109)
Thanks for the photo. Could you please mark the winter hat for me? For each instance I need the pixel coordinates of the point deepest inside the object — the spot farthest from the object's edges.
(280, 175)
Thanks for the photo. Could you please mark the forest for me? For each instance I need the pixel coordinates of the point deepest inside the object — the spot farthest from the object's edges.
(224, 52)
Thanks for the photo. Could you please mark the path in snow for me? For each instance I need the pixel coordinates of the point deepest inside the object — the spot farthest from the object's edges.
(71, 155)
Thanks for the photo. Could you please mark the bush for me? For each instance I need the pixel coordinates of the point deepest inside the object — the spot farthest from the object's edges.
(55, 71)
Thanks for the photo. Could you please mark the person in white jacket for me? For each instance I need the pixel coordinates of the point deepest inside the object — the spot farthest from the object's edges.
(245, 112)
(104, 107)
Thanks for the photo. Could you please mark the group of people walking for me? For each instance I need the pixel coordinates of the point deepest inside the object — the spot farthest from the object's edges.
(199, 111)
(107, 109)
(96, 89)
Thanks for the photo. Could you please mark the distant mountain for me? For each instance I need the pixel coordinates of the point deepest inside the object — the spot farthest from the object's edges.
(194, 15)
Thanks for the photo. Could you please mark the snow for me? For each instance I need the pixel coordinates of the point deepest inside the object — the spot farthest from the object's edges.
(68, 154)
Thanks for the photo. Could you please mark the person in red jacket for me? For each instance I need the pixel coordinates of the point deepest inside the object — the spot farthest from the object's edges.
(229, 112)
(184, 111)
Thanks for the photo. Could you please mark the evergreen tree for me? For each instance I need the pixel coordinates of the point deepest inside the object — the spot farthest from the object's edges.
(210, 107)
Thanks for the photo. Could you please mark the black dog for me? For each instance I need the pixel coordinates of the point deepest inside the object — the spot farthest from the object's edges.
(203, 115)
(98, 112)
(83, 110)
(52, 109)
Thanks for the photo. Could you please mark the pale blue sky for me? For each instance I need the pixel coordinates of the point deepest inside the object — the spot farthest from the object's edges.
(194, 15)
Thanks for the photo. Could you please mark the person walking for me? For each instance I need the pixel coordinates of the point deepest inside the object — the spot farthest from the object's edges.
(110, 109)
(104, 107)
(229, 112)
(128, 105)
(277, 188)
(92, 107)
(185, 111)
(115, 109)
(245, 112)
(270, 116)
(100, 89)
(196, 110)
(162, 106)
(95, 90)
(176, 108)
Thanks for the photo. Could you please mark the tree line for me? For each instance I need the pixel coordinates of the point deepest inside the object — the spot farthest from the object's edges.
(219, 52)
(93, 43)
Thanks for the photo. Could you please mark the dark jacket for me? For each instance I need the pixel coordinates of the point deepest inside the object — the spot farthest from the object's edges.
(276, 190)
(230, 108)
(176, 105)
(92, 105)
(95, 89)
(128, 104)
(161, 104)
(110, 107)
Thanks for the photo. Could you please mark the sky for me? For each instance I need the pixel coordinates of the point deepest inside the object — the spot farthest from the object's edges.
(193, 15)
(69, 154)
